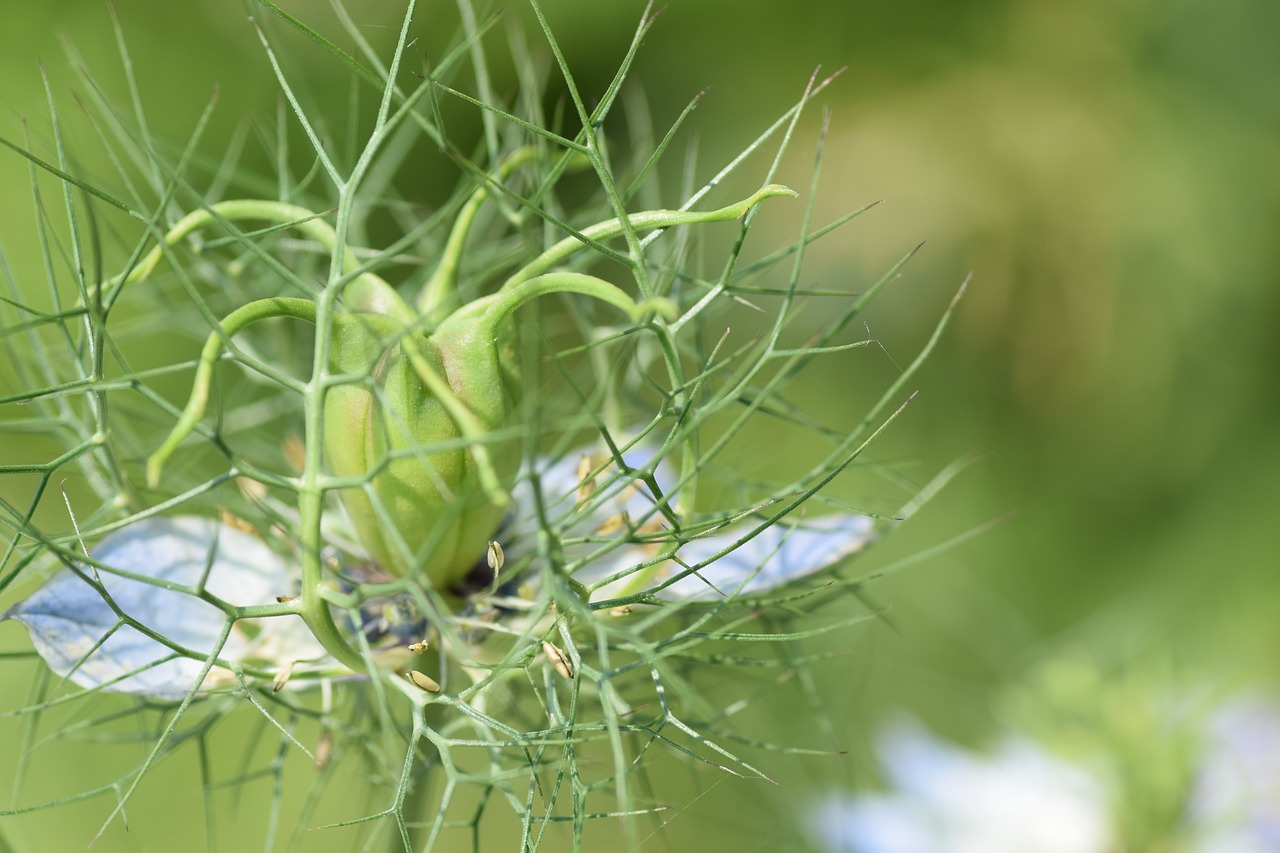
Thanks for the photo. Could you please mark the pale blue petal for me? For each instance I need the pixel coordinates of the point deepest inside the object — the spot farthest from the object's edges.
(67, 618)
(559, 485)
(774, 557)
(771, 558)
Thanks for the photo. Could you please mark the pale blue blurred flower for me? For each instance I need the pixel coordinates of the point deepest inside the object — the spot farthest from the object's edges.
(1236, 803)
(1021, 799)
(945, 799)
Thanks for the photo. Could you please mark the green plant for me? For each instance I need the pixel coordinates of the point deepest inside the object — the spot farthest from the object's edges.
(501, 545)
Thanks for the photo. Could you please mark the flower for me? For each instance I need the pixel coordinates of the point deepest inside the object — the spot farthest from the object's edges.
(1020, 799)
(1023, 799)
(412, 396)
(1236, 801)
(169, 576)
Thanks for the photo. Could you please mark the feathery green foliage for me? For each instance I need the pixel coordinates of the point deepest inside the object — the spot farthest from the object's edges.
(554, 687)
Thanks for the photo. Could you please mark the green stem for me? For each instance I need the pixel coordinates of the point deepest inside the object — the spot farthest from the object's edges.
(261, 309)
(315, 608)
(647, 220)
(510, 298)
(370, 292)
(311, 494)
(439, 296)
(319, 618)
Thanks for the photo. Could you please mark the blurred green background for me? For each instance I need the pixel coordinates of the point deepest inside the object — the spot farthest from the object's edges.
(1109, 170)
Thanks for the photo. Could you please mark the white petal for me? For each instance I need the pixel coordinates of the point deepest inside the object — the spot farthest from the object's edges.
(67, 618)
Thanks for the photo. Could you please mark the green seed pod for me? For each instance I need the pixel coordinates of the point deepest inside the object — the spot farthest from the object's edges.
(418, 426)
(418, 432)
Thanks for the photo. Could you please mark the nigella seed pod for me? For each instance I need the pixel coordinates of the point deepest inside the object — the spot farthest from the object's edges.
(415, 426)
(415, 433)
